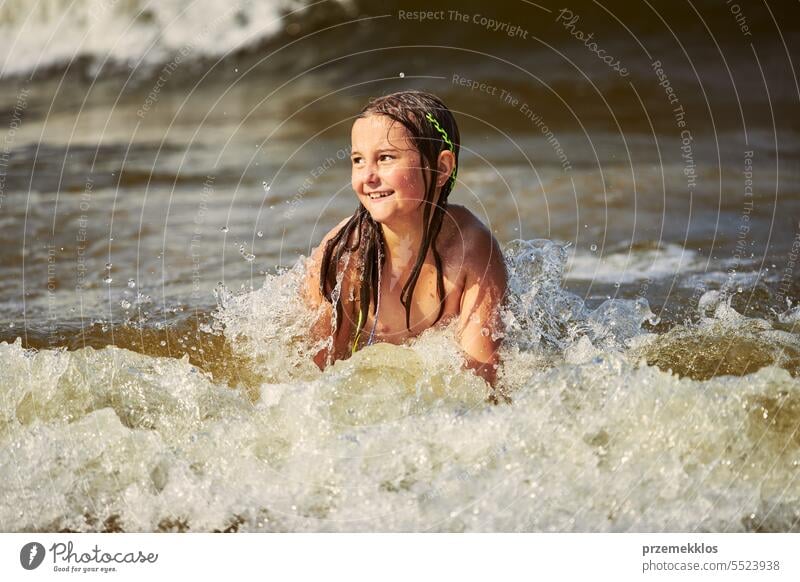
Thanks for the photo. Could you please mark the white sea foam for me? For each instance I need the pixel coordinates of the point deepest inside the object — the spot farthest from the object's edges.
(400, 438)
(54, 32)
(632, 265)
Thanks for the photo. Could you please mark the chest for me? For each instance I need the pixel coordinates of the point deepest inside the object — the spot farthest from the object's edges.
(425, 304)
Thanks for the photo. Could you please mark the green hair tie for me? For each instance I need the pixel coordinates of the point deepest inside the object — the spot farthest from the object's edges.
(446, 139)
(354, 349)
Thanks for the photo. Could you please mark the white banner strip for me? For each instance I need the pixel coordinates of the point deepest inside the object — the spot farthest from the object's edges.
(401, 557)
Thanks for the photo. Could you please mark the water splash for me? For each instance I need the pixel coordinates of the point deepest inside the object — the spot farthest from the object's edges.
(401, 438)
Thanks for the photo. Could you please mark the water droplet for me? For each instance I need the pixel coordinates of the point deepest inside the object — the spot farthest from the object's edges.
(11, 324)
(739, 289)
(162, 342)
(108, 266)
(259, 234)
(616, 284)
(485, 332)
(125, 304)
(266, 185)
(593, 248)
(131, 283)
(107, 280)
(249, 257)
(402, 75)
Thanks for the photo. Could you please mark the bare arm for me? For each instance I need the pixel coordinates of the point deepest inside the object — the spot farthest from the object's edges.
(322, 327)
(480, 325)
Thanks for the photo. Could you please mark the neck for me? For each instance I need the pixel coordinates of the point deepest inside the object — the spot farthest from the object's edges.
(402, 242)
(404, 238)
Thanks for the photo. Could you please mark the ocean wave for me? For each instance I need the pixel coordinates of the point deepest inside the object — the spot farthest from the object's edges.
(634, 264)
(50, 33)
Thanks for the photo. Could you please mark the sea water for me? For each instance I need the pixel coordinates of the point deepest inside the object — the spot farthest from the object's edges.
(600, 434)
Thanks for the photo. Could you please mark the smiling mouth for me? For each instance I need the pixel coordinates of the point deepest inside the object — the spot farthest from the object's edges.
(379, 195)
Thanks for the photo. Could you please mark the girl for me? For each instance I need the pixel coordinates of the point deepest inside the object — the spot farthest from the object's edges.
(407, 260)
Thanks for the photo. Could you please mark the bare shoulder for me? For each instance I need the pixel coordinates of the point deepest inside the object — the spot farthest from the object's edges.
(481, 252)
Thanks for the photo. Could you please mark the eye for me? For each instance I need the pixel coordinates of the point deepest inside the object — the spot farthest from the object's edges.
(356, 159)
(386, 157)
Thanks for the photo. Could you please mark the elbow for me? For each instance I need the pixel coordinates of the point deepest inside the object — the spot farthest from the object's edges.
(322, 358)
(485, 370)
(488, 372)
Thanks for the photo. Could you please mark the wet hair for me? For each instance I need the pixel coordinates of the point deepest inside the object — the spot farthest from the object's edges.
(432, 129)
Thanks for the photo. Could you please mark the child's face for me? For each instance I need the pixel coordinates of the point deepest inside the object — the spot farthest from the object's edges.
(385, 162)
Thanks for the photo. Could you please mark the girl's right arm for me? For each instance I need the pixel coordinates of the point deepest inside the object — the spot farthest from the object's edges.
(322, 327)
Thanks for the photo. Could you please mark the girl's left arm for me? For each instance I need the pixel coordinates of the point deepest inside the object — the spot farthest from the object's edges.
(480, 327)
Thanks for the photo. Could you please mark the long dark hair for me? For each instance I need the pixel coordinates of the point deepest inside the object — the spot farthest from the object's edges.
(430, 126)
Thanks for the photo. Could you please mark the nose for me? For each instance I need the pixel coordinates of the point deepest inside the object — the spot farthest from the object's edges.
(369, 174)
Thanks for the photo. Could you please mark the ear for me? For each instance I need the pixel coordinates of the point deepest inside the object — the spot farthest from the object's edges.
(444, 167)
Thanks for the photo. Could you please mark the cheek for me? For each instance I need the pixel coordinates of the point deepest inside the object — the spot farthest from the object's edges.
(413, 184)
